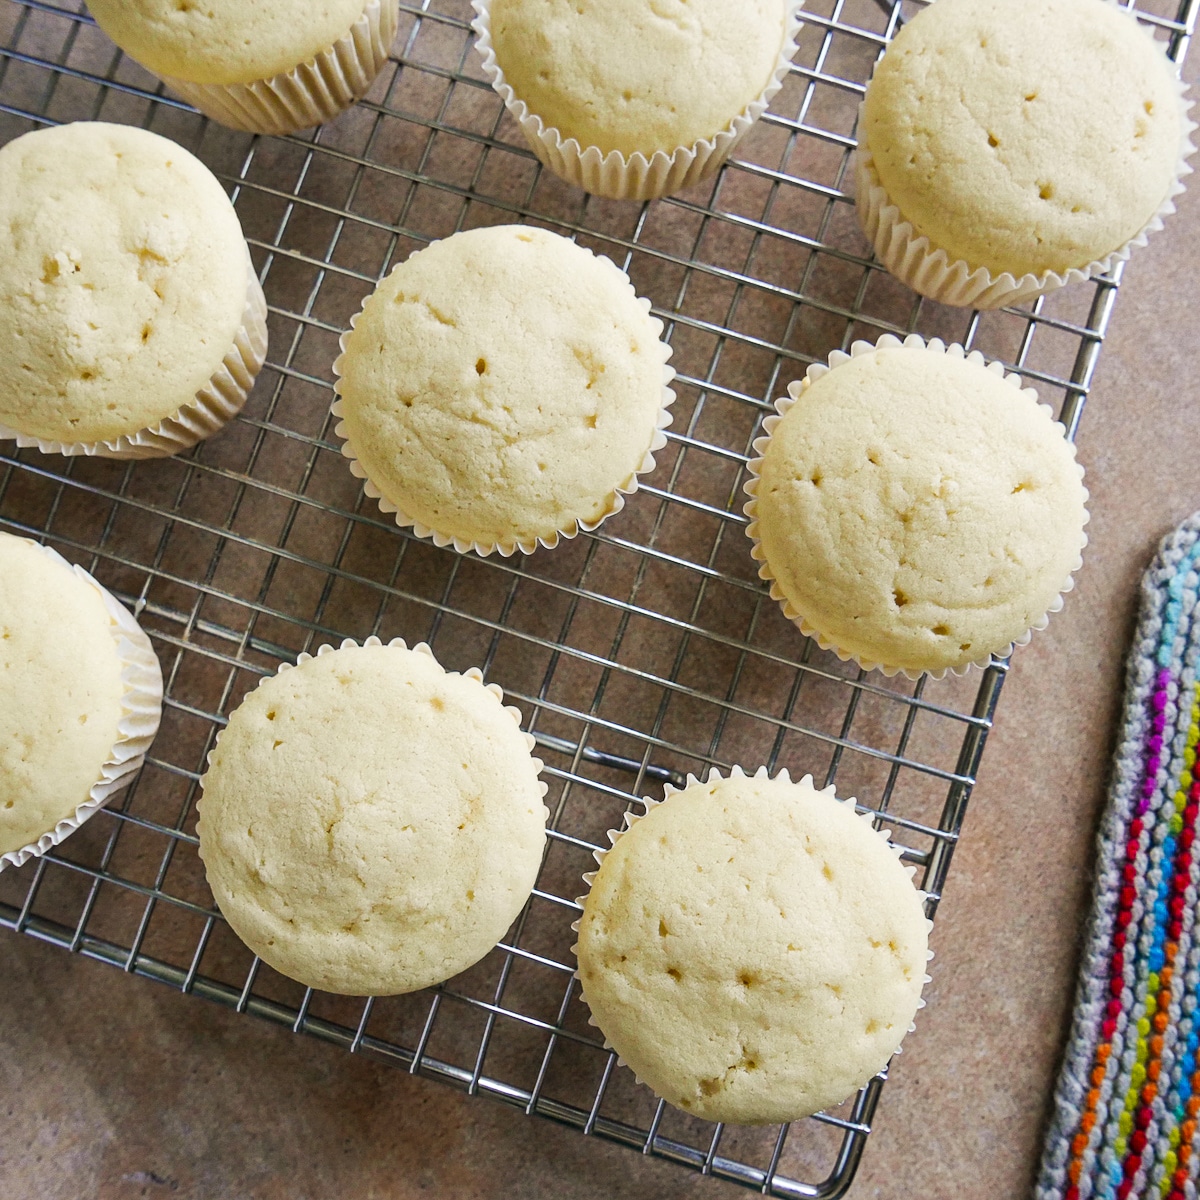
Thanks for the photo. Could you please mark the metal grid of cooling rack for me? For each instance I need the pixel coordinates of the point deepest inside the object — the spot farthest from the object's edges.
(638, 653)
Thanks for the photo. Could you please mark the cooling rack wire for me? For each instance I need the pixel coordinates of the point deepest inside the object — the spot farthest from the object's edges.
(636, 654)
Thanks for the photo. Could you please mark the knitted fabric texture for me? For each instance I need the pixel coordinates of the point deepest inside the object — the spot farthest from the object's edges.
(1128, 1096)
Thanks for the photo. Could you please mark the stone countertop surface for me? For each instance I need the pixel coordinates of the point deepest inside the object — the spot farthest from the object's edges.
(113, 1087)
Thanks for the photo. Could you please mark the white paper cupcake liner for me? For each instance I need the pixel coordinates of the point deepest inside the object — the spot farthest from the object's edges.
(616, 500)
(795, 391)
(929, 270)
(630, 818)
(613, 175)
(310, 93)
(141, 711)
(214, 406)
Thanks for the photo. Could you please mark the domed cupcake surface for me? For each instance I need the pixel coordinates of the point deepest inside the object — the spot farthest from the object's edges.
(125, 289)
(503, 387)
(752, 949)
(371, 823)
(632, 100)
(271, 66)
(1024, 136)
(915, 510)
(629, 76)
(80, 697)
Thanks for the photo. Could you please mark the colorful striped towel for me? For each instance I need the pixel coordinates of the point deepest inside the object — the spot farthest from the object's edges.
(1127, 1101)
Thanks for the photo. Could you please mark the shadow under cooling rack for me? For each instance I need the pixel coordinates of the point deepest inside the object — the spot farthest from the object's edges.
(637, 654)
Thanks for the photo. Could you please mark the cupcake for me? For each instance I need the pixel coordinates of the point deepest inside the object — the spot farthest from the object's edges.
(273, 66)
(630, 100)
(131, 322)
(503, 388)
(80, 698)
(752, 949)
(1007, 147)
(370, 823)
(914, 508)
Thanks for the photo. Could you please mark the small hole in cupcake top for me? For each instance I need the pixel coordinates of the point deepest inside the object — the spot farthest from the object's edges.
(480, 366)
(816, 478)
(1046, 191)
(626, 96)
(271, 715)
(146, 330)
(1022, 487)
(590, 420)
(993, 140)
(747, 978)
(965, 646)
(470, 894)
(1149, 108)
(899, 597)
(1031, 97)
(675, 973)
(941, 630)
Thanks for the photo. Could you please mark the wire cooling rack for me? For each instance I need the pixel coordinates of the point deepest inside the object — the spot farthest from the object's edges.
(636, 654)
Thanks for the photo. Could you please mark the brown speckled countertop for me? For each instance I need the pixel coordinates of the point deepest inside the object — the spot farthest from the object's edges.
(114, 1087)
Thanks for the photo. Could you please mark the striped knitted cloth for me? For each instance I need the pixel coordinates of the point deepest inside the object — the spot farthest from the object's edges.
(1127, 1100)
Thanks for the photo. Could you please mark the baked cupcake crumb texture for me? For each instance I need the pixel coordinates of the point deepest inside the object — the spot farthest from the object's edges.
(274, 66)
(1010, 146)
(80, 698)
(914, 508)
(502, 388)
(371, 823)
(751, 947)
(631, 101)
(126, 291)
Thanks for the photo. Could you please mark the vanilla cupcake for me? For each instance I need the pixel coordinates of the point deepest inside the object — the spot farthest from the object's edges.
(630, 100)
(914, 508)
(503, 388)
(80, 698)
(370, 823)
(272, 66)
(752, 949)
(1007, 147)
(131, 322)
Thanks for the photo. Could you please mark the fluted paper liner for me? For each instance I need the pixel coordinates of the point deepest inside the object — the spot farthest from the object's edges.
(636, 177)
(311, 93)
(616, 499)
(214, 406)
(630, 818)
(141, 710)
(930, 270)
(784, 403)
